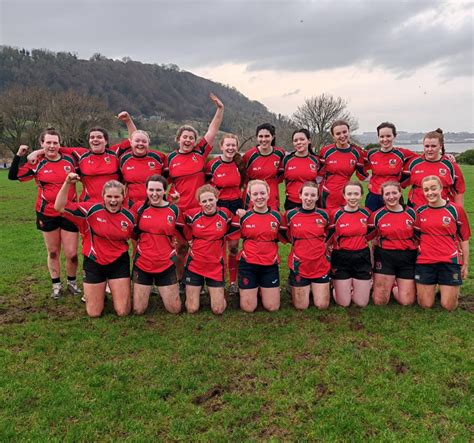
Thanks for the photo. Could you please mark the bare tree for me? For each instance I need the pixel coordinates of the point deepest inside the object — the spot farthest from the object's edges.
(317, 114)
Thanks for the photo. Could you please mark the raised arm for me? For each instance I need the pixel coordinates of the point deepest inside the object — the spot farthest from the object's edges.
(216, 121)
(125, 117)
(15, 166)
(61, 198)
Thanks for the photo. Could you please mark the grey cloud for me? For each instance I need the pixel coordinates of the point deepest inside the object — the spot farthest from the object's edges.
(289, 94)
(273, 35)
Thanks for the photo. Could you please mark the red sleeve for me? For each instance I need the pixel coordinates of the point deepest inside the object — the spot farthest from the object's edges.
(203, 147)
(77, 152)
(26, 172)
(121, 148)
(459, 184)
(408, 154)
(464, 229)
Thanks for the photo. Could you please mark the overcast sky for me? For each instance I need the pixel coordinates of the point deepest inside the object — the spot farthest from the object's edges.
(410, 62)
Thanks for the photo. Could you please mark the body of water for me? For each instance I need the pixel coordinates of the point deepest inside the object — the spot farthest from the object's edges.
(449, 147)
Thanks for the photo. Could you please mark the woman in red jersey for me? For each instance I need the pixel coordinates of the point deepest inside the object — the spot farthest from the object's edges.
(395, 248)
(185, 167)
(258, 261)
(339, 162)
(434, 162)
(58, 232)
(386, 163)
(156, 223)
(99, 163)
(264, 162)
(308, 260)
(443, 229)
(138, 164)
(226, 173)
(207, 227)
(106, 228)
(299, 167)
(350, 260)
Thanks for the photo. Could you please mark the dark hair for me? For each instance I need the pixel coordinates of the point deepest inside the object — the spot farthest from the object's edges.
(270, 128)
(157, 178)
(438, 134)
(308, 136)
(99, 129)
(49, 131)
(339, 123)
(387, 125)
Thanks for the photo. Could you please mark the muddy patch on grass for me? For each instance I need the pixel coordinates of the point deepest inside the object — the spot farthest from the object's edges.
(327, 319)
(215, 391)
(467, 303)
(399, 367)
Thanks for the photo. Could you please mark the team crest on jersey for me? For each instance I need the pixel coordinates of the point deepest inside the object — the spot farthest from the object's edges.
(409, 222)
(363, 221)
(442, 171)
(276, 164)
(312, 167)
(107, 159)
(219, 225)
(446, 220)
(151, 165)
(319, 221)
(169, 219)
(194, 158)
(392, 162)
(273, 225)
(67, 169)
(124, 225)
(353, 162)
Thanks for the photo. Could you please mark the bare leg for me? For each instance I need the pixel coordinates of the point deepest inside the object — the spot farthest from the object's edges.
(193, 294)
(181, 251)
(320, 295)
(218, 303)
(248, 299)
(120, 288)
(170, 296)
(361, 293)
(343, 291)
(271, 298)
(52, 240)
(300, 296)
(449, 297)
(425, 295)
(95, 296)
(69, 242)
(406, 293)
(141, 296)
(382, 288)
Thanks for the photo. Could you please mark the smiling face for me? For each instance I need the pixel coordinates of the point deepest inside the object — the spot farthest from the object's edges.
(139, 143)
(301, 143)
(186, 141)
(391, 196)
(97, 142)
(208, 203)
(386, 138)
(340, 135)
(113, 199)
(432, 190)
(309, 197)
(352, 195)
(51, 144)
(155, 193)
(264, 138)
(229, 148)
(432, 149)
(259, 196)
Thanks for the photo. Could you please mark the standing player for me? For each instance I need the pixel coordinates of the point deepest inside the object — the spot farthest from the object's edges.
(433, 162)
(156, 223)
(265, 162)
(185, 167)
(350, 259)
(208, 227)
(395, 248)
(339, 162)
(258, 261)
(49, 174)
(386, 163)
(443, 229)
(105, 228)
(299, 167)
(308, 260)
(227, 173)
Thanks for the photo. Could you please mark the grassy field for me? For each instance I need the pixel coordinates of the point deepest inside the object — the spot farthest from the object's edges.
(380, 373)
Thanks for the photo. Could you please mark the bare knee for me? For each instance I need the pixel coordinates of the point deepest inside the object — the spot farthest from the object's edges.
(139, 310)
(449, 305)
(53, 255)
(380, 299)
(72, 257)
(174, 308)
(219, 308)
(248, 306)
(122, 312)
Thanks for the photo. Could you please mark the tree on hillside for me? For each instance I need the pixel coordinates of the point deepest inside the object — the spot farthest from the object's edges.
(317, 114)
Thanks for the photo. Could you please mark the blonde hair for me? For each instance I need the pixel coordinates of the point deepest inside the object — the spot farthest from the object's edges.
(140, 131)
(206, 188)
(113, 184)
(432, 177)
(257, 182)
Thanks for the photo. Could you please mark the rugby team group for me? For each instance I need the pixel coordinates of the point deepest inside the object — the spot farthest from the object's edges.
(187, 237)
